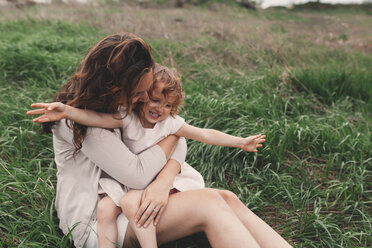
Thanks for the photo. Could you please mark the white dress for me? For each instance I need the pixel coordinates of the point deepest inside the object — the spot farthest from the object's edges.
(138, 139)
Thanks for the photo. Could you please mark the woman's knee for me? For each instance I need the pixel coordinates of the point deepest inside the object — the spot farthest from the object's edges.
(106, 210)
(230, 197)
(211, 209)
(211, 199)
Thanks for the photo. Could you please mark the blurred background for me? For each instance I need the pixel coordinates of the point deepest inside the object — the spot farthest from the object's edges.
(297, 71)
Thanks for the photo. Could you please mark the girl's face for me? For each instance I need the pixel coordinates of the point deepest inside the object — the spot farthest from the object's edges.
(157, 108)
(144, 85)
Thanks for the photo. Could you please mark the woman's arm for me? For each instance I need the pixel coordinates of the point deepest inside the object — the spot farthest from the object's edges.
(214, 137)
(180, 151)
(56, 111)
(155, 196)
(106, 150)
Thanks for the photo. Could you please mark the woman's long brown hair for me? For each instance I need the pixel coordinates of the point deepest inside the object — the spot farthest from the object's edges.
(109, 73)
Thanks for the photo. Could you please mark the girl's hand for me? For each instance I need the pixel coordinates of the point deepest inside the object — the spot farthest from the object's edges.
(153, 202)
(251, 143)
(54, 111)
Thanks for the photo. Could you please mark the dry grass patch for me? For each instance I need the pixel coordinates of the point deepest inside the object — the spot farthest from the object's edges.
(266, 29)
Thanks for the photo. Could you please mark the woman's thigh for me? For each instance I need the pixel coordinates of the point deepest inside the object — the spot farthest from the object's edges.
(184, 215)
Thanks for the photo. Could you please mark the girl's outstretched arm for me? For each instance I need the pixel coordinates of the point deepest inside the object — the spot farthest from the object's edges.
(56, 111)
(214, 137)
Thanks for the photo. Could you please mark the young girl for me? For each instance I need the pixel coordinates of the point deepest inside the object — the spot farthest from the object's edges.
(149, 123)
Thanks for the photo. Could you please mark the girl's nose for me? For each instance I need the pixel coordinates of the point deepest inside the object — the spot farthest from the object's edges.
(159, 107)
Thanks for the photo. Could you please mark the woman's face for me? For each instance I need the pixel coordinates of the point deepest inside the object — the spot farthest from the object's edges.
(144, 85)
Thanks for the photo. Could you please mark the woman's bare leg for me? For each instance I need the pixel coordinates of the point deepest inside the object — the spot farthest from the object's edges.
(262, 232)
(196, 211)
(129, 205)
(107, 213)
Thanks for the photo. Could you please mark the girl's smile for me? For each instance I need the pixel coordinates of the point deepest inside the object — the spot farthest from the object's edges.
(157, 108)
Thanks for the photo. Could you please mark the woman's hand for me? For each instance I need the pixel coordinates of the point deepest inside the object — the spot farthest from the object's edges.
(54, 111)
(251, 143)
(153, 202)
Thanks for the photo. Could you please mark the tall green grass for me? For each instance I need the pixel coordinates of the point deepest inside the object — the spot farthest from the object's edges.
(311, 181)
(35, 58)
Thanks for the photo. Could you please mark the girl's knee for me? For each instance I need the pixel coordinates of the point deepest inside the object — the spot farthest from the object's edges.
(130, 202)
(106, 210)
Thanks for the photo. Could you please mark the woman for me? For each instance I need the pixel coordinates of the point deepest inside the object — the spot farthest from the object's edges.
(118, 71)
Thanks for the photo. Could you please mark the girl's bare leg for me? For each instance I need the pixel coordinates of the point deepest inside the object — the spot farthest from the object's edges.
(130, 204)
(107, 213)
(262, 232)
(200, 211)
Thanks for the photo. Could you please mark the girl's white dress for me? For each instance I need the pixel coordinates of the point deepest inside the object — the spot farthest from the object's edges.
(139, 139)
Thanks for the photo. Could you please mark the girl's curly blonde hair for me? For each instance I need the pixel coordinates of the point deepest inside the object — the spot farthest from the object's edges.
(173, 85)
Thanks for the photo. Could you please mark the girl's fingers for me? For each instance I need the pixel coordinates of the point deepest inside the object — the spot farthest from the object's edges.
(55, 105)
(36, 105)
(36, 112)
(37, 119)
(39, 105)
(260, 136)
(257, 136)
(43, 119)
(48, 106)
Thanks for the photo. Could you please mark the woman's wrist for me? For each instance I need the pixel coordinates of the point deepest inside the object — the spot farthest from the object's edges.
(168, 173)
(165, 181)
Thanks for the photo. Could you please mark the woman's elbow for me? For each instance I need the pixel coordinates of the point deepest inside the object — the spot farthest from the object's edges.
(138, 175)
(132, 182)
(140, 184)
(138, 181)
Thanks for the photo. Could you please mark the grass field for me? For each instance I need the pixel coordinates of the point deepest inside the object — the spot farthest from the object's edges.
(302, 77)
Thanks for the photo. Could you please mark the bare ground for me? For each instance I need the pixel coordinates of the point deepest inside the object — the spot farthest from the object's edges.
(279, 32)
(264, 28)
